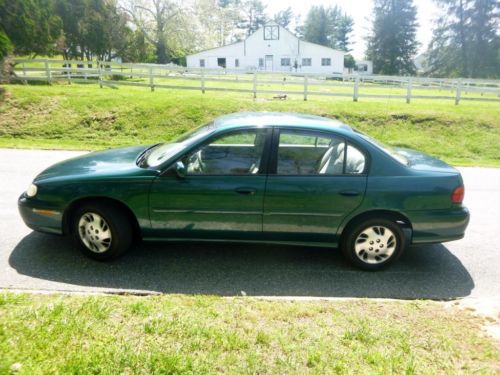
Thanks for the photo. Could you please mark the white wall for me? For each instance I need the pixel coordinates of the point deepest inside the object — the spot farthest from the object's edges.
(365, 63)
(255, 47)
(230, 52)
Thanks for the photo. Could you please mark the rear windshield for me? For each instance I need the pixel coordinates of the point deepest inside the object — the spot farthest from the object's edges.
(387, 149)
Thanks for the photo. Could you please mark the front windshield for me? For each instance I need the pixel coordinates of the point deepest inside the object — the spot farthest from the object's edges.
(387, 149)
(161, 152)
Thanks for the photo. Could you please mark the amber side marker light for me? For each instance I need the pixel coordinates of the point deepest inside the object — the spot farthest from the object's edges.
(45, 212)
(458, 194)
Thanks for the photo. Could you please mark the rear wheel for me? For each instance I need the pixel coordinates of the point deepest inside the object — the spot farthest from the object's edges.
(101, 231)
(373, 244)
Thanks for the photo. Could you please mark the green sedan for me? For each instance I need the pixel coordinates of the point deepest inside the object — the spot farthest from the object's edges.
(257, 177)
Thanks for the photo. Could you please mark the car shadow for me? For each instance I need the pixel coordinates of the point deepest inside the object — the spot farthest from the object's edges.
(429, 271)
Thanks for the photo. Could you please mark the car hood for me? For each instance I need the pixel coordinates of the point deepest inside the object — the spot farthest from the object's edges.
(423, 162)
(109, 163)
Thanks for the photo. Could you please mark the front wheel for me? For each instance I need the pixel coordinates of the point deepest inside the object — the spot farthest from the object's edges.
(373, 244)
(102, 232)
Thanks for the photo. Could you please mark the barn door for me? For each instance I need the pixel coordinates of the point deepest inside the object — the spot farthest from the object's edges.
(269, 63)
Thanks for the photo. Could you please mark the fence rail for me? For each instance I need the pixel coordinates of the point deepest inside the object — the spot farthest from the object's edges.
(256, 82)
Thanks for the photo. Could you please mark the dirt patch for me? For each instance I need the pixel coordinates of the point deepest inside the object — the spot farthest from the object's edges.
(486, 309)
(15, 114)
(99, 120)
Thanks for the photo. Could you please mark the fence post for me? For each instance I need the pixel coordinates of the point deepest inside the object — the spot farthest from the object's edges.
(25, 81)
(408, 91)
(356, 89)
(255, 85)
(68, 72)
(48, 73)
(305, 86)
(151, 83)
(459, 92)
(99, 72)
(202, 81)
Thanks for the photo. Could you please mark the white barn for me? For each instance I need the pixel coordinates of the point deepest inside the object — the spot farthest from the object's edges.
(271, 48)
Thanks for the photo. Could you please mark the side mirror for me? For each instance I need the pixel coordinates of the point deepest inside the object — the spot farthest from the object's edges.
(180, 169)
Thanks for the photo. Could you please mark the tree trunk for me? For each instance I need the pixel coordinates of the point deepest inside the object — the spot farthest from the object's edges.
(161, 52)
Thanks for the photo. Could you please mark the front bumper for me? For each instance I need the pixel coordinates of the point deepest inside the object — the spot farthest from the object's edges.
(40, 218)
(431, 226)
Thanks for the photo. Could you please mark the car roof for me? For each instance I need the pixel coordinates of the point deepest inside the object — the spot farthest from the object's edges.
(263, 119)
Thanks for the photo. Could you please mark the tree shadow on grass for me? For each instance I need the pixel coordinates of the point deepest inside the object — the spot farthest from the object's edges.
(429, 271)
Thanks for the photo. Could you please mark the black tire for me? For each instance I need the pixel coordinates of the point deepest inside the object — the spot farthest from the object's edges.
(371, 253)
(116, 222)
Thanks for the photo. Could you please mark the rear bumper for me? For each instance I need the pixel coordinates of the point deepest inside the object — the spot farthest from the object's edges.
(432, 226)
(41, 219)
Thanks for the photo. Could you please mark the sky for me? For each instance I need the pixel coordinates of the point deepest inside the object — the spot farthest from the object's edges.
(361, 11)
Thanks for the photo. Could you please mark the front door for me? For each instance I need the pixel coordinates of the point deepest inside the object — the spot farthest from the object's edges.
(221, 195)
(269, 63)
(314, 183)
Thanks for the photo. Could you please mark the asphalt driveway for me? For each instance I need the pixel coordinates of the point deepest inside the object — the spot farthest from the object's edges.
(29, 260)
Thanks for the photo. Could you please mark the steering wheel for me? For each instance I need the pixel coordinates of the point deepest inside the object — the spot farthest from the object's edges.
(195, 162)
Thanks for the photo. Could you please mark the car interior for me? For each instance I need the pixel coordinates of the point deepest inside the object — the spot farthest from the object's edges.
(298, 154)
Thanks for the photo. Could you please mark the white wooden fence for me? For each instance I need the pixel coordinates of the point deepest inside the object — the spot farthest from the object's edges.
(278, 84)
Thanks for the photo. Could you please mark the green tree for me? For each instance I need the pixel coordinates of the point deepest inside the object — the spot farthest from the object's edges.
(30, 26)
(344, 29)
(485, 40)
(159, 20)
(215, 22)
(465, 40)
(317, 26)
(329, 27)
(253, 16)
(349, 62)
(284, 17)
(392, 44)
(5, 45)
(92, 29)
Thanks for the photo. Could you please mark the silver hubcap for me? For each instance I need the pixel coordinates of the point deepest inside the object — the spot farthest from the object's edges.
(94, 232)
(375, 244)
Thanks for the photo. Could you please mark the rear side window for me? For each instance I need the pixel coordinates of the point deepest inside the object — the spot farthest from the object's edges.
(310, 153)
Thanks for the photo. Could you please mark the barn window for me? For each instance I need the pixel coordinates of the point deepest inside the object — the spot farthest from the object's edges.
(285, 61)
(271, 32)
(221, 61)
(236, 63)
(202, 63)
(261, 62)
(306, 61)
(326, 61)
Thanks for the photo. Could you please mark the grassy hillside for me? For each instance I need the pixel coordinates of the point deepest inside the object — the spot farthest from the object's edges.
(86, 117)
(208, 335)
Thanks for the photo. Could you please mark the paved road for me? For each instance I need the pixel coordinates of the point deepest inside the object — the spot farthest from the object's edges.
(28, 260)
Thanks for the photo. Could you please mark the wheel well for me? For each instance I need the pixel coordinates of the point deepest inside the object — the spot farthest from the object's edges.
(395, 216)
(68, 212)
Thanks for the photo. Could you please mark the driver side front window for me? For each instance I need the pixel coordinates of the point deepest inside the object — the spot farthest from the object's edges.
(237, 153)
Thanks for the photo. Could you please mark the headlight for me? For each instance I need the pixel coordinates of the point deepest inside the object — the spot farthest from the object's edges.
(31, 191)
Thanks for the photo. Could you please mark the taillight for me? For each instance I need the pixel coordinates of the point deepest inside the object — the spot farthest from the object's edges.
(458, 195)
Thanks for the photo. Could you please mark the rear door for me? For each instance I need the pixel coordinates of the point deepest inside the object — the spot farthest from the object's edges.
(316, 179)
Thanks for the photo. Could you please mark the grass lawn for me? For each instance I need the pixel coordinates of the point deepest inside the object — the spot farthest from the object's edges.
(83, 116)
(204, 334)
